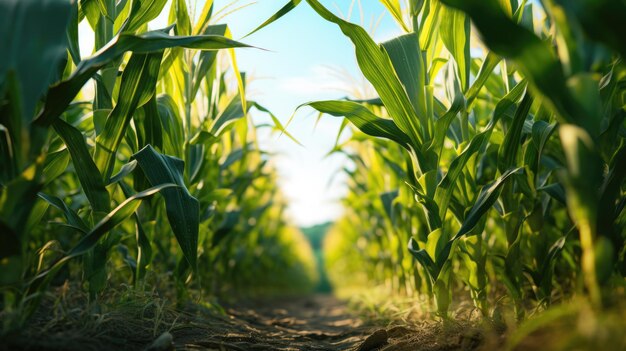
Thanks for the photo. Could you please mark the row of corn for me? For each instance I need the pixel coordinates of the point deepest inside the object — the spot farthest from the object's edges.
(136, 165)
(491, 161)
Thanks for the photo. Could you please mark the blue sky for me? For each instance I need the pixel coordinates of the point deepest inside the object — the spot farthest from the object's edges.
(308, 59)
(305, 59)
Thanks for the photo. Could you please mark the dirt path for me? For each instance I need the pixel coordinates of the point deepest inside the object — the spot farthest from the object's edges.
(314, 323)
(310, 323)
(318, 322)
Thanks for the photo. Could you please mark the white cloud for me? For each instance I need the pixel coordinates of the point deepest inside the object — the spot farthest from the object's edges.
(319, 80)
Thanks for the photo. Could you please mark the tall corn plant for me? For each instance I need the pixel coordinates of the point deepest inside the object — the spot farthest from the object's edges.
(578, 78)
(79, 176)
(479, 132)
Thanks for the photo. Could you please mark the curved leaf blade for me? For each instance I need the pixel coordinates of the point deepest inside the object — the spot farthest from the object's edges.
(183, 210)
(363, 119)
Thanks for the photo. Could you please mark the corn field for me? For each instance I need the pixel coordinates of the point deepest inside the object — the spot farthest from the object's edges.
(495, 149)
(159, 171)
(488, 166)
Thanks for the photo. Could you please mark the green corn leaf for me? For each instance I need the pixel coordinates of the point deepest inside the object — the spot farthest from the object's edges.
(556, 191)
(126, 170)
(363, 119)
(56, 164)
(547, 266)
(72, 217)
(234, 156)
(183, 211)
(61, 94)
(277, 125)
(454, 28)
(609, 210)
(31, 50)
(144, 249)
(429, 23)
(89, 9)
(387, 199)
(86, 170)
(534, 57)
(424, 259)
(602, 20)
(180, 15)
(491, 62)
(583, 180)
(137, 87)
(378, 69)
(373, 102)
(509, 100)
(486, 198)
(72, 35)
(148, 125)
(7, 155)
(406, 57)
(541, 132)
(430, 207)
(206, 59)
(113, 219)
(585, 173)
(435, 242)
(204, 18)
(14, 209)
(446, 186)
(283, 11)
(443, 124)
(229, 223)
(89, 241)
(233, 112)
(393, 6)
(512, 140)
(143, 11)
(173, 135)
(203, 137)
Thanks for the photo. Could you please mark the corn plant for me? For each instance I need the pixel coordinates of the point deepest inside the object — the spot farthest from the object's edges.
(79, 174)
(479, 130)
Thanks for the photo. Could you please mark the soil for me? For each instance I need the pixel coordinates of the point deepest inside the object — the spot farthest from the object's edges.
(134, 320)
(309, 323)
(315, 323)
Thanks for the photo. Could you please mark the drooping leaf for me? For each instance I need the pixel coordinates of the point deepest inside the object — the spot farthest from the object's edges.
(378, 69)
(61, 94)
(86, 170)
(424, 259)
(233, 112)
(183, 211)
(363, 119)
(72, 217)
(486, 198)
(283, 11)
